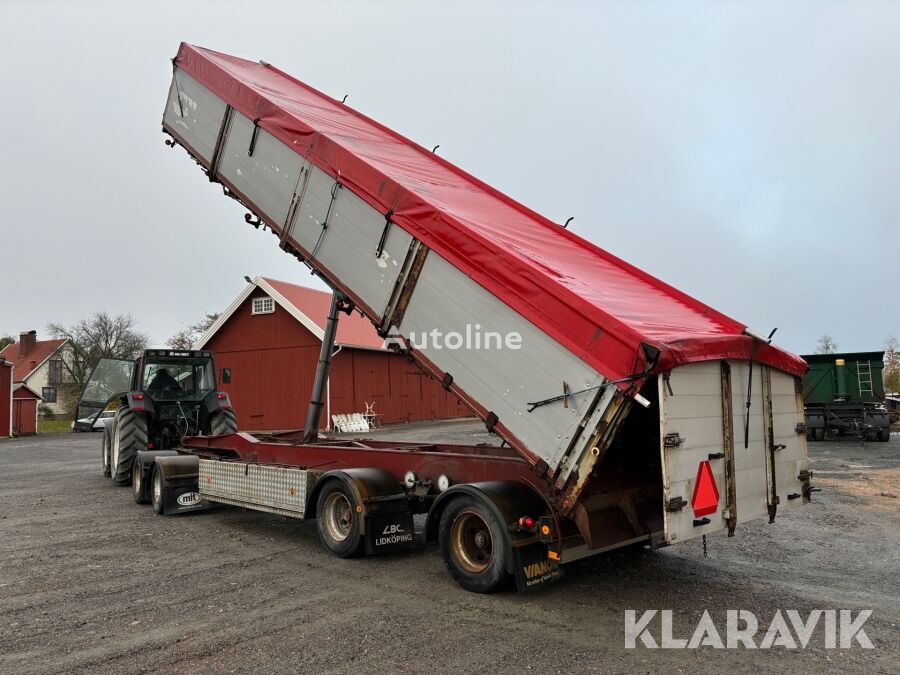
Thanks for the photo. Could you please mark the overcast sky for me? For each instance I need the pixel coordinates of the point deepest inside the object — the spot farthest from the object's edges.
(747, 153)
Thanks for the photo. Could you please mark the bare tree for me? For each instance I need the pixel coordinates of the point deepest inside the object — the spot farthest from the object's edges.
(186, 337)
(100, 336)
(892, 364)
(6, 340)
(826, 345)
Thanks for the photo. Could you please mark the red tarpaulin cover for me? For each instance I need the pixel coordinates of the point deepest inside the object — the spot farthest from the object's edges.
(598, 306)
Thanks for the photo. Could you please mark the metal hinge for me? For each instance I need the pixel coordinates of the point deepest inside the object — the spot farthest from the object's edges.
(675, 504)
(672, 440)
(800, 428)
(804, 476)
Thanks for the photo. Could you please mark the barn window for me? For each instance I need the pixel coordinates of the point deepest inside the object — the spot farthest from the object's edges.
(263, 306)
(48, 394)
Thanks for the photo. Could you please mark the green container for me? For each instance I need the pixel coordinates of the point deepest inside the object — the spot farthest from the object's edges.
(857, 380)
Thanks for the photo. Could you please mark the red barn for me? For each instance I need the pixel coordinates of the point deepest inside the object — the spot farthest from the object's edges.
(270, 338)
(6, 404)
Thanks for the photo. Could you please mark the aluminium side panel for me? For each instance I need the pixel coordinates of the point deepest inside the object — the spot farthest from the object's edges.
(503, 379)
(195, 114)
(342, 233)
(269, 176)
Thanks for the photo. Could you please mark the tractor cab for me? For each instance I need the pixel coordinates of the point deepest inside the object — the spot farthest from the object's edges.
(172, 391)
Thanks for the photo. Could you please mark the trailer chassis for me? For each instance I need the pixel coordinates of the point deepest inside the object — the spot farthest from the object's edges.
(385, 484)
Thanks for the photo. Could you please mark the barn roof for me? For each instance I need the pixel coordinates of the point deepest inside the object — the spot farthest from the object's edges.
(20, 390)
(310, 307)
(25, 364)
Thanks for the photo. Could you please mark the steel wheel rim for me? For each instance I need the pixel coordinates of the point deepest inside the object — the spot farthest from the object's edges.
(338, 516)
(136, 481)
(105, 452)
(471, 542)
(157, 488)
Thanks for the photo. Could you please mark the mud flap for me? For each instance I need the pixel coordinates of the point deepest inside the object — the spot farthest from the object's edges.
(181, 498)
(534, 569)
(180, 484)
(388, 531)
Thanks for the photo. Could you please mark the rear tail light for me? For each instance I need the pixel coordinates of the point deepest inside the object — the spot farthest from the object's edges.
(137, 397)
(221, 396)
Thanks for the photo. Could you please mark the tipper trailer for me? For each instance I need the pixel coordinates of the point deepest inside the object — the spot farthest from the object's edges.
(844, 393)
(629, 411)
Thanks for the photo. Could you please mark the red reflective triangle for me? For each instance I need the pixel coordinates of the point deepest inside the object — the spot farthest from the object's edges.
(706, 494)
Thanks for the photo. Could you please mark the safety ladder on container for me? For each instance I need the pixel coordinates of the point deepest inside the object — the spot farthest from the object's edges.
(864, 378)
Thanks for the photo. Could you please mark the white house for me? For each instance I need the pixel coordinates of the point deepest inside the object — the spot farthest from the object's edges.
(38, 364)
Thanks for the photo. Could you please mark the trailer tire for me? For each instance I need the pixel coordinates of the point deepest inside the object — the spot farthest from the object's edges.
(138, 485)
(156, 489)
(884, 435)
(473, 545)
(223, 423)
(819, 434)
(129, 435)
(338, 520)
(105, 447)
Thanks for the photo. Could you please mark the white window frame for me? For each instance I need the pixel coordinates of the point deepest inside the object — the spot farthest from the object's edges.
(263, 305)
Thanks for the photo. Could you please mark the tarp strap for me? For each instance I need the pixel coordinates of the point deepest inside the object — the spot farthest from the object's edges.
(384, 233)
(253, 138)
(334, 188)
(177, 90)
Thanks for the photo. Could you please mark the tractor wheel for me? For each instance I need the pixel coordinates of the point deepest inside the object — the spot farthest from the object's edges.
(223, 423)
(473, 545)
(337, 519)
(128, 436)
(105, 449)
(884, 435)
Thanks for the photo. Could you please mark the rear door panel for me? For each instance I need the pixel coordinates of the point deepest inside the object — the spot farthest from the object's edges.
(705, 404)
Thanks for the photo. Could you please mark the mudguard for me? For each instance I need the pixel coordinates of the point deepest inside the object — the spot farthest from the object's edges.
(386, 518)
(509, 500)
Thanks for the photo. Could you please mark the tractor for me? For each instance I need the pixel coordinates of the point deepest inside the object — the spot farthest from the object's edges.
(163, 396)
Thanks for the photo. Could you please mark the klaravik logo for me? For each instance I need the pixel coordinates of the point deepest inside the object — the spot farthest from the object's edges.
(742, 629)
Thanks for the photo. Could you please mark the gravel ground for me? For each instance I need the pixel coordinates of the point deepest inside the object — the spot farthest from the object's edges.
(91, 582)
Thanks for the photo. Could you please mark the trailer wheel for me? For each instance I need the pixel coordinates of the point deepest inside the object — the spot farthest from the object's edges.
(223, 423)
(156, 489)
(138, 487)
(473, 545)
(338, 521)
(819, 434)
(129, 435)
(884, 435)
(105, 449)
